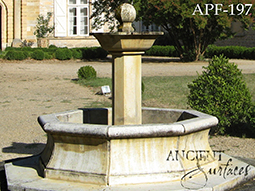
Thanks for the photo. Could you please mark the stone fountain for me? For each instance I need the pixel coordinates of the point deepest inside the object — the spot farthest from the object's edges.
(127, 147)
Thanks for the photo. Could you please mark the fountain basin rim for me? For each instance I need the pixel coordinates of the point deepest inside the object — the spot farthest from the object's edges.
(120, 42)
(51, 124)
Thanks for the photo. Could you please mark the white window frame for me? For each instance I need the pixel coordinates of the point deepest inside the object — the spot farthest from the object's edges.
(78, 7)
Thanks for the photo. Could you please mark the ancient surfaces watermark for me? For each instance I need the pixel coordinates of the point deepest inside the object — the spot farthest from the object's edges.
(225, 169)
(191, 155)
(215, 9)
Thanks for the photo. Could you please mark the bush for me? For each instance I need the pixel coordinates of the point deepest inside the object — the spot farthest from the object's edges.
(48, 56)
(93, 53)
(63, 54)
(38, 55)
(77, 53)
(52, 46)
(239, 52)
(87, 72)
(162, 51)
(16, 55)
(221, 91)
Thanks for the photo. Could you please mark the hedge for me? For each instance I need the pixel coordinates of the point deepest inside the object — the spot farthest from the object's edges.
(162, 51)
(13, 53)
(99, 53)
(239, 52)
(16, 55)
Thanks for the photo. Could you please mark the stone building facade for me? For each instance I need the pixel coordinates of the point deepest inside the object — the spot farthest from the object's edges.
(71, 19)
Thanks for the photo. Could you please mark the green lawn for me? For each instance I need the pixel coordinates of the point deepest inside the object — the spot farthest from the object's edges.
(165, 91)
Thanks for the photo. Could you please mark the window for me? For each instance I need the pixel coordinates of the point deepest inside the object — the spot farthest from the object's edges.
(71, 18)
(78, 18)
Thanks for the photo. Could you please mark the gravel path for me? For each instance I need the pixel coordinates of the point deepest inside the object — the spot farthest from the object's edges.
(31, 88)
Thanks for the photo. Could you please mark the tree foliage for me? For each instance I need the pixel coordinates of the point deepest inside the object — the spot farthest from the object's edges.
(43, 28)
(190, 30)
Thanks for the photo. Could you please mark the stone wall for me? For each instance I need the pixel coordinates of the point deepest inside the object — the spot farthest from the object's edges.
(74, 42)
(7, 22)
(27, 15)
(30, 10)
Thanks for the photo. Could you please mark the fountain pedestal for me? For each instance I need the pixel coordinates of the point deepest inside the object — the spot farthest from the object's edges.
(126, 50)
(126, 69)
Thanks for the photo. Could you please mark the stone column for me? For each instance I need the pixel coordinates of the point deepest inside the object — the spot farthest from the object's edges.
(17, 24)
(127, 99)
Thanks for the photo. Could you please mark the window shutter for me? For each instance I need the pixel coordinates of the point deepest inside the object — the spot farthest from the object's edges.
(60, 18)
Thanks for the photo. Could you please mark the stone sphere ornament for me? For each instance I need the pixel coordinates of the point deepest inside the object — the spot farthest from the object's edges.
(125, 14)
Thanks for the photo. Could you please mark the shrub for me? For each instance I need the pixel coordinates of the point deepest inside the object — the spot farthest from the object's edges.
(100, 52)
(93, 53)
(221, 91)
(63, 54)
(52, 46)
(162, 51)
(48, 56)
(26, 48)
(77, 53)
(87, 72)
(42, 28)
(38, 55)
(16, 55)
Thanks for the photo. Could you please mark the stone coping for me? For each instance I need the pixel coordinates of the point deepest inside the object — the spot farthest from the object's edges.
(127, 42)
(50, 123)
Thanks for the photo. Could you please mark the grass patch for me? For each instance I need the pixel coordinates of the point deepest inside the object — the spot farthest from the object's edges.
(95, 82)
(169, 91)
(163, 91)
(250, 78)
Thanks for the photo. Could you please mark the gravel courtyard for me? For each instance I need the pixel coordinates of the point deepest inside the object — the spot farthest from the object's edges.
(31, 88)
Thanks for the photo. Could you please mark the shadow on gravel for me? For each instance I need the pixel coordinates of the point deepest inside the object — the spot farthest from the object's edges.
(24, 148)
(29, 162)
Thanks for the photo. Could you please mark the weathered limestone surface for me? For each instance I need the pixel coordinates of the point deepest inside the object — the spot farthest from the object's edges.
(113, 155)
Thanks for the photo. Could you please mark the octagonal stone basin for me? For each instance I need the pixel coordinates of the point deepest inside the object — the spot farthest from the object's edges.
(83, 146)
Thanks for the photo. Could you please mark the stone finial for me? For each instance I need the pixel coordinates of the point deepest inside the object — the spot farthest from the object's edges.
(126, 14)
